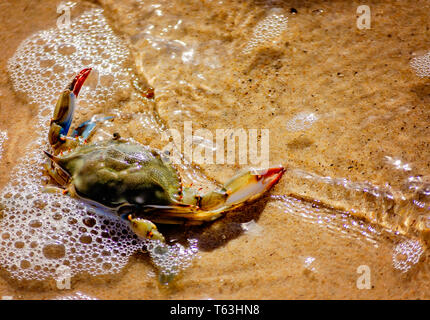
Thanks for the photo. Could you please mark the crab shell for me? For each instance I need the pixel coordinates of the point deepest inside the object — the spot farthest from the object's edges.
(119, 174)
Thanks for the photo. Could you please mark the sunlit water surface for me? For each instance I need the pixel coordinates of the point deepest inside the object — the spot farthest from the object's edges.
(213, 81)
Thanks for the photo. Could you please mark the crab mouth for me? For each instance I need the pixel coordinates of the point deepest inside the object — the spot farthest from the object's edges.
(56, 160)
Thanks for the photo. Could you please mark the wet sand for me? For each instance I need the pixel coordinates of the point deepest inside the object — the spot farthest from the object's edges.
(362, 103)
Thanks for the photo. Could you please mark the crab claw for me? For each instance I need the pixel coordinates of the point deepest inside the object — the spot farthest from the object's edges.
(250, 185)
(241, 189)
(78, 81)
(63, 113)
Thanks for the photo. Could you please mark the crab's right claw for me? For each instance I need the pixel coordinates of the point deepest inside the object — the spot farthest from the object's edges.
(63, 113)
(144, 228)
(241, 189)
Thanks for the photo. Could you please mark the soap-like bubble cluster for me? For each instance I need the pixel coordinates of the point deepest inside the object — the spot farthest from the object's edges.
(3, 138)
(421, 65)
(76, 296)
(252, 228)
(40, 232)
(406, 254)
(45, 63)
(267, 30)
(171, 259)
(302, 121)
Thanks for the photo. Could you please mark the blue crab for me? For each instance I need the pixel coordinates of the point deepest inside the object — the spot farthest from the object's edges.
(134, 181)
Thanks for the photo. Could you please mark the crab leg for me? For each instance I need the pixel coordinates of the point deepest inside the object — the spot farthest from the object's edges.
(85, 129)
(144, 228)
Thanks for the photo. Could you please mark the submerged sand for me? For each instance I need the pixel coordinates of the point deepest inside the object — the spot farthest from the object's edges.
(346, 114)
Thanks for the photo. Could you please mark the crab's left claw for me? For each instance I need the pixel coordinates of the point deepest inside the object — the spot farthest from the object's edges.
(63, 113)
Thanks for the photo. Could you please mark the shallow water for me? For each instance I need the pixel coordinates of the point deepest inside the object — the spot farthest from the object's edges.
(345, 113)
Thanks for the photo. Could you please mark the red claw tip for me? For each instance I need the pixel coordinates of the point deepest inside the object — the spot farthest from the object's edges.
(273, 175)
(79, 80)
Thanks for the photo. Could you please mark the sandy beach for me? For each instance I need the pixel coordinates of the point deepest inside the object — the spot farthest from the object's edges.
(343, 110)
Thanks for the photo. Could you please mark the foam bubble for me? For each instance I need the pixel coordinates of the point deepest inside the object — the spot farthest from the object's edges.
(171, 259)
(76, 296)
(45, 62)
(406, 254)
(267, 29)
(302, 121)
(42, 233)
(3, 138)
(252, 228)
(421, 65)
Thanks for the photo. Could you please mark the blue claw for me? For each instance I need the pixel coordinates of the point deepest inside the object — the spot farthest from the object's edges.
(63, 113)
